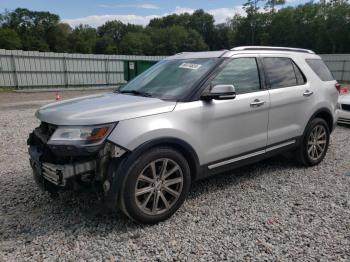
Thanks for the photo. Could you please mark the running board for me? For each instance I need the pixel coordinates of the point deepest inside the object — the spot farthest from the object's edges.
(257, 153)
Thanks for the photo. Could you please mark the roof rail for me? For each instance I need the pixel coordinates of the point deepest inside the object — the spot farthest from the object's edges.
(272, 48)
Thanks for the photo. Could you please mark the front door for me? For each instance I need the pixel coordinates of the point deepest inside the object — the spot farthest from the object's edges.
(236, 129)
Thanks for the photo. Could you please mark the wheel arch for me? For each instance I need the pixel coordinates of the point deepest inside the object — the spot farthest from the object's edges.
(325, 114)
(178, 144)
(118, 166)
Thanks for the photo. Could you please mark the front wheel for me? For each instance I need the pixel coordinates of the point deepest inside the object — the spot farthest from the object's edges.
(156, 185)
(315, 143)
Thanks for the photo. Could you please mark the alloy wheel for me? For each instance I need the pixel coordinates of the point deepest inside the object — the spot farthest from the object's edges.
(158, 186)
(317, 142)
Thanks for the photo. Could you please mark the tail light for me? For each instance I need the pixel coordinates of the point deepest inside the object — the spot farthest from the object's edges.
(344, 90)
(338, 87)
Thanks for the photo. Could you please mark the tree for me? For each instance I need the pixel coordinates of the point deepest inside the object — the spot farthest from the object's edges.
(336, 25)
(199, 21)
(223, 37)
(31, 26)
(22, 18)
(183, 20)
(9, 39)
(110, 35)
(323, 27)
(136, 44)
(271, 4)
(113, 29)
(57, 37)
(106, 45)
(194, 42)
(82, 40)
(251, 7)
(203, 23)
(175, 39)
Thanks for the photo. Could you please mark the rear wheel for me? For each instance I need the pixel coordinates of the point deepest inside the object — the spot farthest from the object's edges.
(156, 185)
(315, 143)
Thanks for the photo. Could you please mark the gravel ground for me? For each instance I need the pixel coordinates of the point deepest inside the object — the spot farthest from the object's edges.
(272, 210)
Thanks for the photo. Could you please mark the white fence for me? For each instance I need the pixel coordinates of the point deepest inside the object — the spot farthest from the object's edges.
(30, 69)
(27, 69)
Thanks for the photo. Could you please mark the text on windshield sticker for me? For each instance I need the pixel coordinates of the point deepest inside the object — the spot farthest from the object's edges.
(190, 66)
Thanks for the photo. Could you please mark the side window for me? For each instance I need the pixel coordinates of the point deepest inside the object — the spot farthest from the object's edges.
(282, 72)
(242, 73)
(299, 75)
(320, 68)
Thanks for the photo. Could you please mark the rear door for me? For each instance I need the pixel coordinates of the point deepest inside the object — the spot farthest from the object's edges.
(290, 98)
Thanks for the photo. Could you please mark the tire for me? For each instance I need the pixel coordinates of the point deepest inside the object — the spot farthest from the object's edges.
(150, 195)
(306, 154)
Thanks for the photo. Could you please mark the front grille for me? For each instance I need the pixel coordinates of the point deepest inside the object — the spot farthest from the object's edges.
(345, 107)
(51, 174)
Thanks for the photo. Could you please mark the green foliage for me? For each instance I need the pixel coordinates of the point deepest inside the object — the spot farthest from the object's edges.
(136, 44)
(32, 27)
(115, 30)
(106, 45)
(9, 39)
(175, 39)
(199, 21)
(57, 37)
(323, 27)
(82, 40)
(271, 4)
(6, 89)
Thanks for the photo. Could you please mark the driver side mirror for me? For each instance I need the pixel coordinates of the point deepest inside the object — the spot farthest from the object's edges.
(220, 92)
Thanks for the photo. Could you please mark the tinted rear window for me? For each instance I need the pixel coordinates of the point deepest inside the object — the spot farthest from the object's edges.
(320, 68)
(280, 72)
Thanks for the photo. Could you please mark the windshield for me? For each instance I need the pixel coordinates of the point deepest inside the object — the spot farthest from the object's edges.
(169, 79)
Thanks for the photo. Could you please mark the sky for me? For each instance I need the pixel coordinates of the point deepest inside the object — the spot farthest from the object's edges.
(97, 12)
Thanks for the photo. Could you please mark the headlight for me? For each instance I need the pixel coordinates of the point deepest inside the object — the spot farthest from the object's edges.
(82, 135)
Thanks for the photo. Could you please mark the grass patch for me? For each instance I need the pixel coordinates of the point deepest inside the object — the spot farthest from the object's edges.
(6, 89)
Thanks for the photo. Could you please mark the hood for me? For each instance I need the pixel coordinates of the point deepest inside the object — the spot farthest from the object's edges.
(102, 108)
(344, 99)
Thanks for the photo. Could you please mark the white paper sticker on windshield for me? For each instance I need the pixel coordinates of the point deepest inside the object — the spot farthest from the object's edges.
(190, 66)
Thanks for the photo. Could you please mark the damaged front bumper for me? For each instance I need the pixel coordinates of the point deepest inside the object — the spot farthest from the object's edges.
(58, 166)
(59, 174)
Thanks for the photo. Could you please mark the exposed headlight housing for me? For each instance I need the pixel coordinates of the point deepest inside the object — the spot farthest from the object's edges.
(80, 135)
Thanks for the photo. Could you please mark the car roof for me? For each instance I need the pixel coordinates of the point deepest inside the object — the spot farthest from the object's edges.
(243, 49)
(272, 48)
(187, 55)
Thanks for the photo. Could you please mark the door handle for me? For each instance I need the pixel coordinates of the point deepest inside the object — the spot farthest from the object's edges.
(257, 103)
(308, 93)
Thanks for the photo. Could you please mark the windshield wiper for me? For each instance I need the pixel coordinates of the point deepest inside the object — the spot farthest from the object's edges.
(136, 92)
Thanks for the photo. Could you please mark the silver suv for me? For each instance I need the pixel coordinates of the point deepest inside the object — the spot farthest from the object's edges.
(187, 117)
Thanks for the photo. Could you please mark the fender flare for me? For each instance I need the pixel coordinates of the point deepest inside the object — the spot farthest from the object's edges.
(117, 167)
(328, 113)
